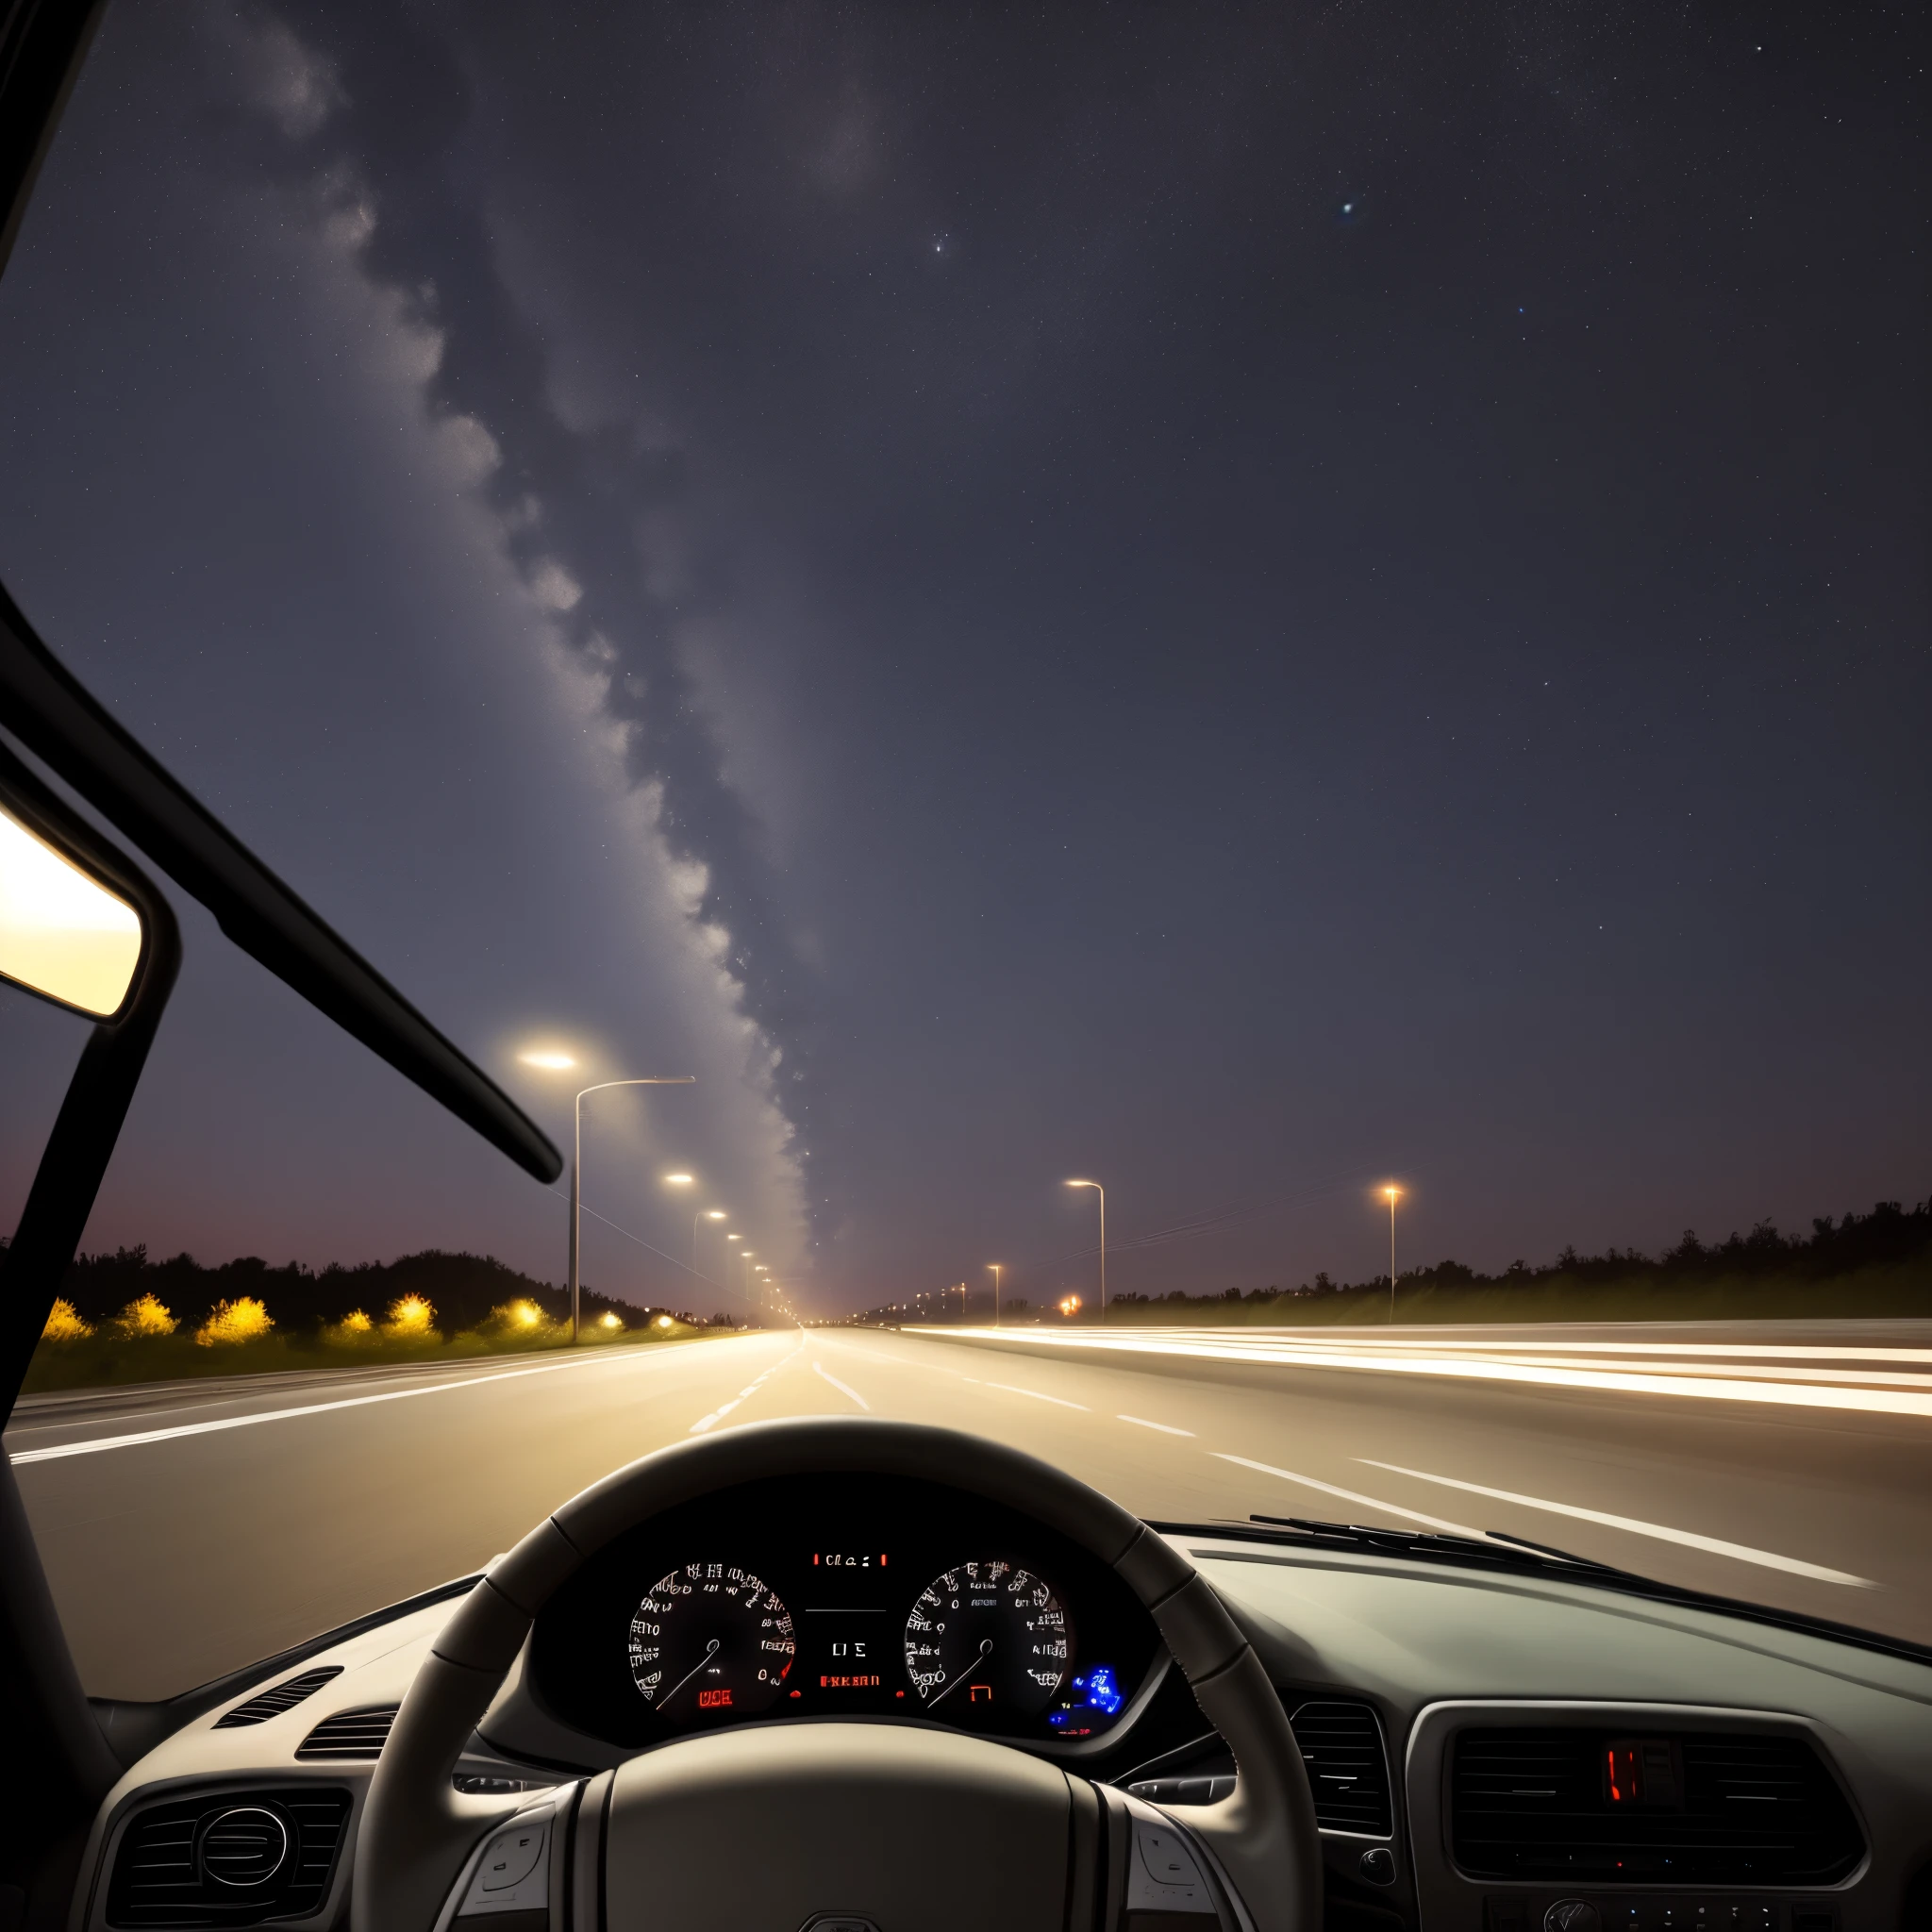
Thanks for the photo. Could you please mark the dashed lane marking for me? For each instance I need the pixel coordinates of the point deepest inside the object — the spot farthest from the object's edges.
(1009, 1389)
(1142, 1421)
(724, 1409)
(842, 1388)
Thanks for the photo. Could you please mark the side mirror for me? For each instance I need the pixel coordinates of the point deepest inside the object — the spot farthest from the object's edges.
(63, 933)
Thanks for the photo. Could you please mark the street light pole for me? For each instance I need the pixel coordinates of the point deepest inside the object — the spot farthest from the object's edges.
(995, 1267)
(1102, 1192)
(576, 1162)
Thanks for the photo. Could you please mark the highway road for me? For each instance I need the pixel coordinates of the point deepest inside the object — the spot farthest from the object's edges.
(190, 1528)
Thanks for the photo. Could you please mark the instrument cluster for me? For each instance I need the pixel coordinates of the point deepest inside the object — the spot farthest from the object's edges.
(849, 1596)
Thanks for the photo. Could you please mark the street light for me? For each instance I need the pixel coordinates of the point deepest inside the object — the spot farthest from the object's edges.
(1102, 1192)
(1392, 1195)
(556, 1062)
(703, 1214)
(677, 1180)
(995, 1267)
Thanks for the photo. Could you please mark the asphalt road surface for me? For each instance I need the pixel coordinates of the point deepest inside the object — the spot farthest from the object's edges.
(190, 1528)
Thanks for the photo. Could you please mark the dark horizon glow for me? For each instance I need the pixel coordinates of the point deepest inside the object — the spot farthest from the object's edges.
(1250, 607)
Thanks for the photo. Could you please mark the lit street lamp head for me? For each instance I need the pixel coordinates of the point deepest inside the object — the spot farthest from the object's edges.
(548, 1058)
(677, 1180)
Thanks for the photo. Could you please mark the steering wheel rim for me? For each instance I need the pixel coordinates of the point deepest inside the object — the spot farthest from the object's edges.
(416, 1830)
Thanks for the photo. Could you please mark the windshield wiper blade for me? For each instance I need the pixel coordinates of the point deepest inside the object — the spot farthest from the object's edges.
(1565, 1556)
(1517, 1553)
(1432, 1542)
(1395, 1543)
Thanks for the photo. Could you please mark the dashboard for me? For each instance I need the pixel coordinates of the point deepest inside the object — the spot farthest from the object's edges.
(854, 1596)
(1487, 1753)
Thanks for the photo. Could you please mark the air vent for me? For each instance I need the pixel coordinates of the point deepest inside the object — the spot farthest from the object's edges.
(284, 1697)
(350, 1734)
(1341, 1745)
(228, 1858)
(1749, 1810)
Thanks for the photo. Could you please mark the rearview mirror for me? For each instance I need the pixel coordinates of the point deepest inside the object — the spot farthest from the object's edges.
(63, 934)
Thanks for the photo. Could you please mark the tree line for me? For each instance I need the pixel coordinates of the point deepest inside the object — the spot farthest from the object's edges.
(1892, 1241)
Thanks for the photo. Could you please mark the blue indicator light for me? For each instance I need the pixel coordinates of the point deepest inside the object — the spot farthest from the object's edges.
(1099, 1689)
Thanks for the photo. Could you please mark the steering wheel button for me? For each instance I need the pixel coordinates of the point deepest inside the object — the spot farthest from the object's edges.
(1168, 1871)
(512, 1857)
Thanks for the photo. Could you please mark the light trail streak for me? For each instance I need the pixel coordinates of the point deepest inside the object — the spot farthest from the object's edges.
(1472, 1367)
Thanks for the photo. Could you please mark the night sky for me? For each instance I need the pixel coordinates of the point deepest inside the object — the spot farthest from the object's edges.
(1245, 603)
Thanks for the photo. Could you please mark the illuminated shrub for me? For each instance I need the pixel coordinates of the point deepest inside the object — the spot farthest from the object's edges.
(522, 1320)
(143, 1317)
(356, 1323)
(410, 1319)
(354, 1327)
(610, 1322)
(244, 1319)
(64, 1324)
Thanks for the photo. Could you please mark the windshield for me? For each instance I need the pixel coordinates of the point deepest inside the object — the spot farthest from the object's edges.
(1231, 702)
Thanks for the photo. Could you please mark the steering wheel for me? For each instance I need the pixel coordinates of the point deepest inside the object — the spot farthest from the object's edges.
(901, 1827)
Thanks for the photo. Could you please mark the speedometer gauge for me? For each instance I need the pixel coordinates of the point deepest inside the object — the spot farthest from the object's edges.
(711, 1637)
(987, 1633)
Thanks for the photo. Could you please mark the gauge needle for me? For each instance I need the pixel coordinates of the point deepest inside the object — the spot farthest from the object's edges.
(710, 1651)
(984, 1652)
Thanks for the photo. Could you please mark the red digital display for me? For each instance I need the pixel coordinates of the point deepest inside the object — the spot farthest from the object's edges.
(713, 1700)
(854, 1683)
(1641, 1772)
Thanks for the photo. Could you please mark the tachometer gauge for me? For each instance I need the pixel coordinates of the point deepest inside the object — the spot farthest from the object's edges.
(987, 1633)
(711, 1637)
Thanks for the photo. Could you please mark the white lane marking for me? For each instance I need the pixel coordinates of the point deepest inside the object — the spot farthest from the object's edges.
(1477, 1369)
(1008, 1388)
(1165, 1428)
(98, 1443)
(724, 1409)
(1717, 1546)
(1351, 1495)
(842, 1388)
